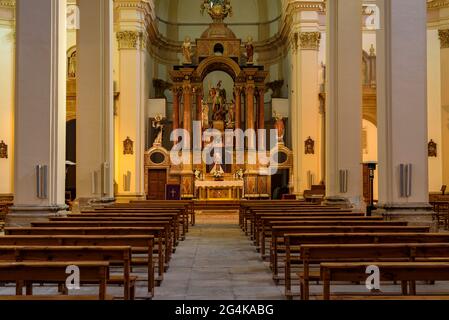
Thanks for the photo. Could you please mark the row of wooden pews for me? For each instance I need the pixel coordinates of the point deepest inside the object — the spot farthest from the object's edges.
(106, 243)
(307, 244)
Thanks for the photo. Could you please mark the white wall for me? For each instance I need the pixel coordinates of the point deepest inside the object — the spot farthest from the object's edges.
(434, 109)
(370, 153)
(7, 107)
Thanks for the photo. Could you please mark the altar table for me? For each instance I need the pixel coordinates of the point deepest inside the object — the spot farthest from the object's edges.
(219, 190)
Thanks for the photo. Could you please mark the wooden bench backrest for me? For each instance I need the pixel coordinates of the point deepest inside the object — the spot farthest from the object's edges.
(85, 231)
(373, 251)
(344, 222)
(360, 238)
(281, 230)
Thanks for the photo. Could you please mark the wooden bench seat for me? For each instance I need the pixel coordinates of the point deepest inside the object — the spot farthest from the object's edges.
(138, 244)
(315, 254)
(53, 272)
(278, 234)
(266, 228)
(389, 271)
(60, 297)
(293, 242)
(114, 255)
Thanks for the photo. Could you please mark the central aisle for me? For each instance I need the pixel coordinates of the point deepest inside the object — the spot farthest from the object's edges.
(217, 262)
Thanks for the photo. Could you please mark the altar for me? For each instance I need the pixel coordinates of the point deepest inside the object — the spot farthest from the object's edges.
(219, 190)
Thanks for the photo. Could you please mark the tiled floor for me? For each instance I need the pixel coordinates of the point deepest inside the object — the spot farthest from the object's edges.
(217, 262)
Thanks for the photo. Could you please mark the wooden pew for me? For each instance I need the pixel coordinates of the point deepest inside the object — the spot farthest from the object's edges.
(139, 244)
(268, 224)
(389, 271)
(136, 213)
(113, 255)
(257, 216)
(279, 232)
(255, 213)
(120, 217)
(187, 204)
(293, 242)
(315, 254)
(157, 232)
(169, 237)
(53, 272)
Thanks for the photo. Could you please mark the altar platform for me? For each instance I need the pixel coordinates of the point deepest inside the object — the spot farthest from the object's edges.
(219, 190)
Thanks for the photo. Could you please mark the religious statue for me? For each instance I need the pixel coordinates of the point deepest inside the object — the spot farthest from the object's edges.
(71, 68)
(217, 171)
(218, 97)
(187, 51)
(280, 126)
(249, 51)
(159, 129)
(204, 115)
(230, 116)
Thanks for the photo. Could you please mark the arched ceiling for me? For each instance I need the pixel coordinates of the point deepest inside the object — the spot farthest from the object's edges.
(259, 19)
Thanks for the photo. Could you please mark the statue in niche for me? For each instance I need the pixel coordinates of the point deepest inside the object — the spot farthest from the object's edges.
(249, 51)
(280, 126)
(3, 150)
(432, 149)
(187, 51)
(128, 146)
(71, 67)
(230, 116)
(309, 146)
(159, 129)
(204, 115)
(218, 97)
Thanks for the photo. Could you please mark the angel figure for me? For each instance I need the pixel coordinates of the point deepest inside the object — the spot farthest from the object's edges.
(187, 51)
(159, 128)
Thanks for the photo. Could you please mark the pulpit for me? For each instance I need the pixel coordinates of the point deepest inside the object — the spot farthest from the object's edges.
(219, 190)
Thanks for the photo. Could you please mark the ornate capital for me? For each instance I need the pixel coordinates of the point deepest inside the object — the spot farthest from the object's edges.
(309, 40)
(130, 40)
(444, 38)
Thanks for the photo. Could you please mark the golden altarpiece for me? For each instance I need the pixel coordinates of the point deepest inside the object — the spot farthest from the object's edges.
(218, 49)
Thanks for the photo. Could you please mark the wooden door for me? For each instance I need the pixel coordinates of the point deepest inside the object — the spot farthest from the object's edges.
(157, 179)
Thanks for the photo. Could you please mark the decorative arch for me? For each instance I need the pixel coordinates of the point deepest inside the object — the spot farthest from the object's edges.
(218, 63)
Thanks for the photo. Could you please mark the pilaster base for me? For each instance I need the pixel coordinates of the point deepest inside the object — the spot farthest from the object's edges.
(418, 214)
(81, 204)
(337, 201)
(126, 198)
(22, 216)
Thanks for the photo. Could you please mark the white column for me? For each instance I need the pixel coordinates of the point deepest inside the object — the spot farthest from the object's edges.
(40, 109)
(444, 68)
(305, 102)
(402, 106)
(344, 100)
(95, 114)
(131, 113)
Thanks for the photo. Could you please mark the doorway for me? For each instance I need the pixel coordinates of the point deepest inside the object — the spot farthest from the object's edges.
(157, 180)
(279, 184)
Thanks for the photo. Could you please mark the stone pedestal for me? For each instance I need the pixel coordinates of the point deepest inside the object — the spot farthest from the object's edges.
(414, 214)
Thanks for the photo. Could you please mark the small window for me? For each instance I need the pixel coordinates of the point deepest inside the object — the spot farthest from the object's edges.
(157, 158)
(218, 49)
